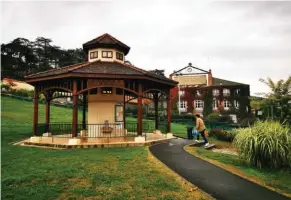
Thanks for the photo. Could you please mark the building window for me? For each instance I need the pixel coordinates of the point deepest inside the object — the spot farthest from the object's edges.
(94, 91)
(183, 104)
(181, 92)
(226, 92)
(119, 56)
(106, 54)
(215, 104)
(226, 104)
(198, 104)
(236, 104)
(106, 90)
(215, 92)
(93, 54)
(237, 92)
(198, 93)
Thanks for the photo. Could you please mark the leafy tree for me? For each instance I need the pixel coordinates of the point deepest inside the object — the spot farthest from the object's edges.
(280, 96)
(21, 57)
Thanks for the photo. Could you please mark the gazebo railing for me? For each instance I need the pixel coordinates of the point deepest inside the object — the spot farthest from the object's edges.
(110, 130)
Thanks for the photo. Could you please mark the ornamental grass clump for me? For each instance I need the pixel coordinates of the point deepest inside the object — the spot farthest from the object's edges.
(266, 144)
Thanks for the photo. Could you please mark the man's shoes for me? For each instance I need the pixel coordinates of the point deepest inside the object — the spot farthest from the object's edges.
(206, 144)
(197, 141)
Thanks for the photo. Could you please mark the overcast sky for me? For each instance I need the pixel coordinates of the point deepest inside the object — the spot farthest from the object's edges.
(244, 41)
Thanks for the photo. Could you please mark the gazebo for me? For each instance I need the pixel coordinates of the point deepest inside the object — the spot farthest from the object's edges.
(102, 86)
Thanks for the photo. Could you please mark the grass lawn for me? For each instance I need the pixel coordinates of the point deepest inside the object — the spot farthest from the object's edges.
(109, 173)
(278, 180)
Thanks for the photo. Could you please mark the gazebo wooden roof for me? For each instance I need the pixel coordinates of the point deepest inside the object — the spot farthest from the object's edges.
(108, 41)
(99, 69)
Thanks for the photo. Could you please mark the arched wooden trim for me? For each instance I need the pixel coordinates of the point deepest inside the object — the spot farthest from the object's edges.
(129, 90)
(156, 90)
(54, 88)
(137, 98)
(80, 100)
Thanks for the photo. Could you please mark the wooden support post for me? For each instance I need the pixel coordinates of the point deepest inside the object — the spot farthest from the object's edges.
(139, 110)
(156, 102)
(169, 113)
(124, 107)
(75, 110)
(35, 111)
(47, 114)
(84, 111)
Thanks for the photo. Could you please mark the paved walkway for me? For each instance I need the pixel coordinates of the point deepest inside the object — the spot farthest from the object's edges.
(214, 180)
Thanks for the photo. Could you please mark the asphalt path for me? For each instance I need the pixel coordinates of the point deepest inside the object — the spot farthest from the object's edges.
(214, 180)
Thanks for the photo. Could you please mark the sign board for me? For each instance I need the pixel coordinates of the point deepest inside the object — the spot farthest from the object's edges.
(118, 113)
(191, 80)
(234, 118)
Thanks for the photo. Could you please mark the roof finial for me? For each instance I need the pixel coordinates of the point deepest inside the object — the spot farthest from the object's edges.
(190, 64)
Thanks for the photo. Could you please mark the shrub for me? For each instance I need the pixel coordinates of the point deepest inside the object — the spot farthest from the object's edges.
(5, 87)
(23, 93)
(225, 118)
(213, 117)
(221, 134)
(266, 144)
(248, 121)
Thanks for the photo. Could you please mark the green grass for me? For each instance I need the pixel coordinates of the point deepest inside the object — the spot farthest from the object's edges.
(278, 179)
(109, 173)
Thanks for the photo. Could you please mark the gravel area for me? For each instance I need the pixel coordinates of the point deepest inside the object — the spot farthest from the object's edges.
(226, 151)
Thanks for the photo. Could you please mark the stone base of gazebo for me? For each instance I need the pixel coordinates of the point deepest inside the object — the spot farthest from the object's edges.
(69, 143)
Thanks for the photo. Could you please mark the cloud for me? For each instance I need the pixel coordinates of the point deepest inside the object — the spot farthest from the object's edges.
(244, 41)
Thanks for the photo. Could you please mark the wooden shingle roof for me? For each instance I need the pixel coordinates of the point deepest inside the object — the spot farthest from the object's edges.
(99, 68)
(107, 41)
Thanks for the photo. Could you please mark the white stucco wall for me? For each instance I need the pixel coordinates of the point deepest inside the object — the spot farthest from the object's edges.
(105, 59)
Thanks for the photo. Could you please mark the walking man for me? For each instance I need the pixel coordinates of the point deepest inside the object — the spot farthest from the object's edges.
(200, 127)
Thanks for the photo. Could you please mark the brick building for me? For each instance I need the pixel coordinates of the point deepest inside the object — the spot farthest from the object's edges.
(198, 92)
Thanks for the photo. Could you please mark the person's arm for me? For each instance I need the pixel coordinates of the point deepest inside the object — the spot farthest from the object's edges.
(197, 124)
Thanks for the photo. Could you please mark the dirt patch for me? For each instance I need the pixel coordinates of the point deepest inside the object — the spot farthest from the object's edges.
(226, 151)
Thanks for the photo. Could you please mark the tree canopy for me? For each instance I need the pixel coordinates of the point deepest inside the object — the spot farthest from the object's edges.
(280, 96)
(21, 57)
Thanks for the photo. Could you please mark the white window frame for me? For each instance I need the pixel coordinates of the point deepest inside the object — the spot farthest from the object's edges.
(198, 104)
(181, 92)
(215, 92)
(226, 92)
(237, 92)
(226, 104)
(236, 104)
(215, 104)
(183, 104)
(198, 93)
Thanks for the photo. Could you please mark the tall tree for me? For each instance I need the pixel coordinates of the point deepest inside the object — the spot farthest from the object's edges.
(21, 57)
(280, 96)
